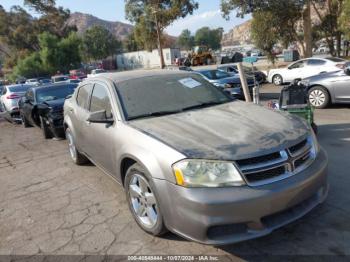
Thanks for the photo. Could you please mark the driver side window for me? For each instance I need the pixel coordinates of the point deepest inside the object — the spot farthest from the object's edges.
(297, 65)
(100, 100)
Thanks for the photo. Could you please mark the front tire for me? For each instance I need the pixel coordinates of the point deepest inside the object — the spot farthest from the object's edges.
(45, 129)
(143, 202)
(77, 157)
(277, 80)
(319, 97)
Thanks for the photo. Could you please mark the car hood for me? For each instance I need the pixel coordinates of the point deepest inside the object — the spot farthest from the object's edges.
(230, 131)
(56, 105)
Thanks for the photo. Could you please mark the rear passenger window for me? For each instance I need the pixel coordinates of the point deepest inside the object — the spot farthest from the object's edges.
(315, 62)
(83, 96)
(100, 100)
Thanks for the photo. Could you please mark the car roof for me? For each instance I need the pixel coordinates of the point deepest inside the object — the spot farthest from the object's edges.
(47, 86)
(135, 74)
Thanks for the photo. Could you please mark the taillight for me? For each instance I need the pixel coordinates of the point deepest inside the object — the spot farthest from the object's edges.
(341, 66)
(13, 96)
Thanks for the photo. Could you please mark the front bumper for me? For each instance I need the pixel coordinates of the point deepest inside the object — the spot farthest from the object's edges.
(56, 125)
(220, 216)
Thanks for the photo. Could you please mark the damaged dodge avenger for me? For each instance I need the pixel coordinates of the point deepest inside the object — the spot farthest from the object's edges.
(194, 160)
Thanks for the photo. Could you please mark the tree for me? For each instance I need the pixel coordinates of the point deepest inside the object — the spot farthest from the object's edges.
(302, 7)
(158, 14)
(264, 33)
(31, 66)
(145, 33)
(129, 43)
(186, 40)
(209, 37)
(99, 43)
(330, 14)
(60, 54)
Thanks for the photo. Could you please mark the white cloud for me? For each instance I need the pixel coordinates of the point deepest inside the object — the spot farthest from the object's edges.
(212, 19)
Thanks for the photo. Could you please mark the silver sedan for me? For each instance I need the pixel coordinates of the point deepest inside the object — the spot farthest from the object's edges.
(327, 88)
(192, 159)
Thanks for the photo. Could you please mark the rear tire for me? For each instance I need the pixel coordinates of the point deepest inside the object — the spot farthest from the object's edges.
(143, 202)
(319, 97)
(77, 157)
(45, 129)
(277, 80)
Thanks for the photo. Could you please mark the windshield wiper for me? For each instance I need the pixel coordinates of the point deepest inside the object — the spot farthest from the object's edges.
(203, 105)
(155, 114)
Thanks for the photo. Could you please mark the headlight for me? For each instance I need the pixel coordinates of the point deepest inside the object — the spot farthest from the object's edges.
(304, 82)
(202, 173)
(315, 144)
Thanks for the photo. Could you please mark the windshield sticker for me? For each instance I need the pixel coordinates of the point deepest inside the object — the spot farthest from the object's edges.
(190, 82)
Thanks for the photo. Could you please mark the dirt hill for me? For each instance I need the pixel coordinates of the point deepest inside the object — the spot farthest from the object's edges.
(85, 21)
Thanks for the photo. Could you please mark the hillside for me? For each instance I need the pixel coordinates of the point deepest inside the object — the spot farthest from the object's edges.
(85, 21)
(239, 35)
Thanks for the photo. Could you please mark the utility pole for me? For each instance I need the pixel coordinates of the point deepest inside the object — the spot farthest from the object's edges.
(244, 83)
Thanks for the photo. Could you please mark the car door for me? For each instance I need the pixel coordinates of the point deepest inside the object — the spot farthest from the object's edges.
(101, 136)
(314, 67)
(341, 88)
(79, 115)
(294, 71)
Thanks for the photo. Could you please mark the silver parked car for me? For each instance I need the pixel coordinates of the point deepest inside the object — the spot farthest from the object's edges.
(192, 159)
(9, 98)
(328, 88)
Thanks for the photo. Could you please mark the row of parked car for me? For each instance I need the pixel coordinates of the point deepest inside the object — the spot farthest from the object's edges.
(327, 79)
(191, 158)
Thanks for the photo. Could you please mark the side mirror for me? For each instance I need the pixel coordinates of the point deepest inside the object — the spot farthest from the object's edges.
(100, 117)
(347, 71)
(43, 109)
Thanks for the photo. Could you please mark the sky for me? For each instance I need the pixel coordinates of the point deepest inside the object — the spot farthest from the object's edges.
(208, 13)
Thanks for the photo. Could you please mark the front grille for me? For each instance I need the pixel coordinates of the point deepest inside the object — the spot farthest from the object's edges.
(275, 166)
(302, 160)
(266, 175)
(298, 147)
(259, 159)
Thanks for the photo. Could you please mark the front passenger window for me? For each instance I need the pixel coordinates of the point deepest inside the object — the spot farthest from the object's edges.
(100, 100)
(83, 96)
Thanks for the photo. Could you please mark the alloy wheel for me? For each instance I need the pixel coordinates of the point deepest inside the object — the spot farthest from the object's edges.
(277, 80)
(317, 98)
(143, 201)
(71, 145)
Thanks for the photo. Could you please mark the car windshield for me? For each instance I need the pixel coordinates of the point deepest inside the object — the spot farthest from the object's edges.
(100, 71)
(60, 78)
(335, 59)
(215, 74)
(53, 93)
(167, 94)
(19, 88)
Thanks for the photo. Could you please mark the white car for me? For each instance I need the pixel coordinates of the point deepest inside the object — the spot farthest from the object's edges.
(305, 68)
(96, 72)
(33, 82)
(9, 97)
